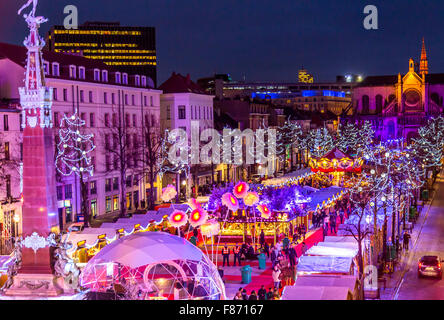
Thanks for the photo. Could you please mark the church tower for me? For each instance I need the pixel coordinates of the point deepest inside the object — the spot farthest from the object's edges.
(424, 63)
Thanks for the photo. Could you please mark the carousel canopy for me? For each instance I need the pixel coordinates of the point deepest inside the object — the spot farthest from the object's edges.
(145, 248)
(335, 161)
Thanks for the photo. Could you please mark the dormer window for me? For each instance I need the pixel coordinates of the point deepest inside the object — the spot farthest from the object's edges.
(104, 76)
(96, 75)
(137, 81)
(118, 77)
(125, 78)
(55, 69)
(82, 73)
(46, 67)
(72, 72)
(143, 81)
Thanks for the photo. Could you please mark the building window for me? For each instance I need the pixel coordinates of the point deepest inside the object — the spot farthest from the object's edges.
(129, 181)
(143, 81)
(6, 122)
(107, 185)
(137, 81)
(96, 75)
(56, 120)
(151, 101)
(68, 191)
(83, 116)
(126, 99)
(134, 121)
(55, 69)
(82, 73)
(105, 98)
(116, 203)
(125, 78)
(116, 183)
(182, 112)
(113, 98)
(108, 204)
(65, 94)
(365, 104)
(378, 104)
(8, 186)
(107, 120)
(168, 113)
(72, 72)
(118, 78)
(104, 76)
(114, 119)
(59, 190)
(54, 94)
(92, 119)
(46, 68)
(145, 103)
(133, 100)
(82, 96)
(127, 120)
(7, 153)
(93, 187)
(91, 97)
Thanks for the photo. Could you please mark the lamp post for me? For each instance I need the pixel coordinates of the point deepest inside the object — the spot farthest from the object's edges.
(16, 222)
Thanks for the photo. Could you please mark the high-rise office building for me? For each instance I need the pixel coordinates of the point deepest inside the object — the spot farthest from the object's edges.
(128, 49)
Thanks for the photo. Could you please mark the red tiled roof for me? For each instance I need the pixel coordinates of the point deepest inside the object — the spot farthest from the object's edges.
(178, 83)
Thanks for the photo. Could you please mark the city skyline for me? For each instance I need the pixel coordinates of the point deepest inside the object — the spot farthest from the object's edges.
(265, 42)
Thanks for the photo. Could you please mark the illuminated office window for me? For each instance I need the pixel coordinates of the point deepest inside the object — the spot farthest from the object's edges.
(118, 77)
(137, 80)
(55, 69)
(46, 67)
(143, 81)
(125, 78)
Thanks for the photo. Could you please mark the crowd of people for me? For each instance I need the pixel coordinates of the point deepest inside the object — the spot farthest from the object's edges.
(262, 294)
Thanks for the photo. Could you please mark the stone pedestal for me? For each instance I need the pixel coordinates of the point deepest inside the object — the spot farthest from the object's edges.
(35, 285)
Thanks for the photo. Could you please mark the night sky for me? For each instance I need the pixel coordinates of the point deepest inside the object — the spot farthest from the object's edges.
(264, 40)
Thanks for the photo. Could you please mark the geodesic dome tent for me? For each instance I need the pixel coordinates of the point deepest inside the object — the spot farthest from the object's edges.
(157, 263)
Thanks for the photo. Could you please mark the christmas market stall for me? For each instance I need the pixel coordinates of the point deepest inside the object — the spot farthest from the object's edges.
(153, 266)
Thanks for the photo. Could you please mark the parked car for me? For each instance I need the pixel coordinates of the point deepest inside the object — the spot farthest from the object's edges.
(430, 266)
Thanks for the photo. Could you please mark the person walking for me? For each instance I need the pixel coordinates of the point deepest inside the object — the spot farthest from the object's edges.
(262, 293)
(304, 248)
(270, 294)
(226, 255)
(238, 296)
(262, 238)
(267, 249)
(406, 240)
(275, 275)
(244, 295)
(237, 255)
(292, 256)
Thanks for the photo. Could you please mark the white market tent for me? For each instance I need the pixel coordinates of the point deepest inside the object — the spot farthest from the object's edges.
(320, 250)
(316, 293)
(345, 245)
(350, 282)
(339, 239)
(325, 265)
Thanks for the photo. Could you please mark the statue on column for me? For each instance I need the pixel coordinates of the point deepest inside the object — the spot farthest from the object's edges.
(34, 7)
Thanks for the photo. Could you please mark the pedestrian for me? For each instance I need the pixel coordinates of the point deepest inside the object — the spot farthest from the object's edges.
(267, 249)
(253, 295)
(275, 275)
(226, 255)
(276, 295)
(304, 248)
(244, 295)
(292, 256)
(262, 238)
(237, 254)
(286, 242)
(270, 294)
(238, 296)
(262, 293)
(406, 240)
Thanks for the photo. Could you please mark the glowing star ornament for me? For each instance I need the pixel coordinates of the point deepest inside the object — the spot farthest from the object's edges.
(178, 219)
(198, 217)
(168, 193)
(230, 202)
(251, 199)
(264, 210)
(240, 190)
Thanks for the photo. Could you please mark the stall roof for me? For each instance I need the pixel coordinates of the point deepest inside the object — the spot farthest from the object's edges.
(320, 250)
(347, 245)
(315, 293)
(339, 239)
(292, 175)
(349, 282)
(145, 219)
(324, 264)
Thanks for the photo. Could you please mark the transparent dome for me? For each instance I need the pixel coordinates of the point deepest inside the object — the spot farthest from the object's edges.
(154, 265)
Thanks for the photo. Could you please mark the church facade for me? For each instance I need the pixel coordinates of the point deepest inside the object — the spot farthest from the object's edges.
(398, 105)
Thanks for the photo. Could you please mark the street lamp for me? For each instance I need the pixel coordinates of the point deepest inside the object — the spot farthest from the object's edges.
(16, 219)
